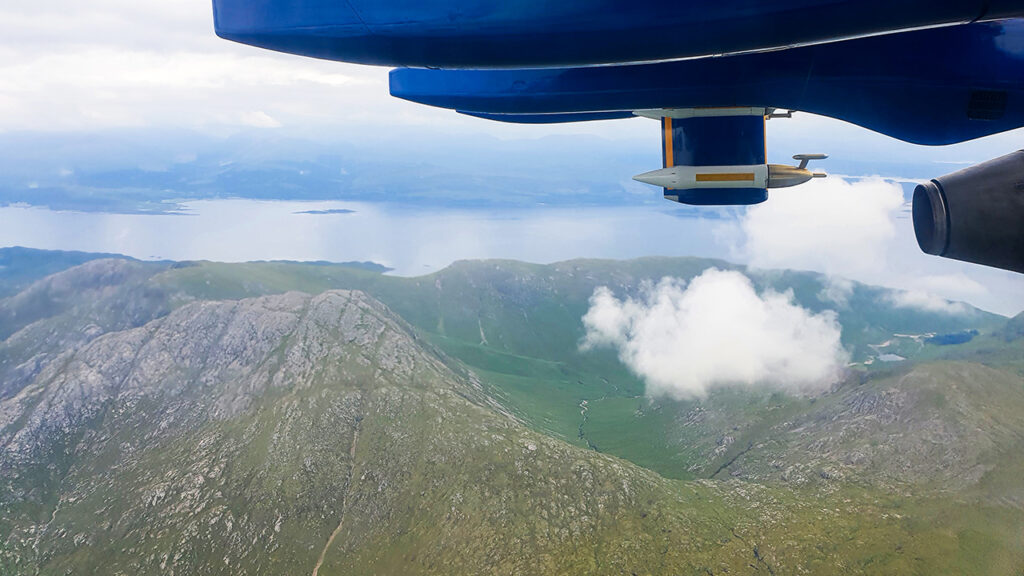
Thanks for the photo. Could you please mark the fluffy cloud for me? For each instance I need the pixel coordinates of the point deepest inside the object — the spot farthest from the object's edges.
(859, 229)
(837, 290)
(958, 284)
(101, 87)
(685, 340)
(259, 119)
(928, 302)
(833, 225)
(74, 66)
(117, 63)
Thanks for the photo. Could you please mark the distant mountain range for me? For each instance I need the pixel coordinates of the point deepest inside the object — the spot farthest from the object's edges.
(136, 172)
(125, 171)
(283, 417)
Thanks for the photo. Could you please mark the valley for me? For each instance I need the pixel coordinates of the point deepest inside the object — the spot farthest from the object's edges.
(266, 418)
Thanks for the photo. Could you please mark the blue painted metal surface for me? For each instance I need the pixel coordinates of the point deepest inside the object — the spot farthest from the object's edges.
(716, 141)
(938, 86)
(520, 33)
(719, 196)
(552, 118)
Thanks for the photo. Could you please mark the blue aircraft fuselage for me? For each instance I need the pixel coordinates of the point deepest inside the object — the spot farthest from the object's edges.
(530, 33)
(935, 87)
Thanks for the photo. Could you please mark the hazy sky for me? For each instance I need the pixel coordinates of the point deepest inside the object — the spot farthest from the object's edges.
(70, 65)
(67, 65)
(116, 63)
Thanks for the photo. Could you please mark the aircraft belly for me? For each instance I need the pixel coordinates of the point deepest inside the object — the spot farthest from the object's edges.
(932, 87)
(520, 33)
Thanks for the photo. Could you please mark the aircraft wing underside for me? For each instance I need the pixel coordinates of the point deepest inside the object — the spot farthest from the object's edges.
(934, 87)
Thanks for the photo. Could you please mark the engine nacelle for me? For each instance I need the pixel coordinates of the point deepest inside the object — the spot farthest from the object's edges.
(975, 214)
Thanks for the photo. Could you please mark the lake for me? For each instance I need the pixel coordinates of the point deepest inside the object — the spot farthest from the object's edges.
(412, 241)
(416, 241)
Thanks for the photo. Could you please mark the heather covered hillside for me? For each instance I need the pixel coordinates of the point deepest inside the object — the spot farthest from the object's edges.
(267, 418)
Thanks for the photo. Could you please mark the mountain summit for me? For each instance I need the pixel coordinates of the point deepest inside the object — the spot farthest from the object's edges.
(157, 419)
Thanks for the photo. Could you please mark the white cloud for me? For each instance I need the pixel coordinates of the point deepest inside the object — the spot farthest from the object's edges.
(716, 332)
(859, 229)
(105, 68)
(48, 24)
(832, 225)
(926, 301)
(101, 87)
(836, 290)
(71, 66)
(959, 284)
(259, 119)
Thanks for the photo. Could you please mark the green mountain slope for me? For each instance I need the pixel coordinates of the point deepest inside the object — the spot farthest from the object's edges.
(205, 418)
(21, 266)
(291, 433)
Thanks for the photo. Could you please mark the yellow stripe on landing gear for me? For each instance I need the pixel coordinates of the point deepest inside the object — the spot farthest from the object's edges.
(669, 160)
(727, 177)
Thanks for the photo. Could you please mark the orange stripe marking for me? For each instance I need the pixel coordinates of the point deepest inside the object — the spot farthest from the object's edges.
(730, 177)
(669, 160)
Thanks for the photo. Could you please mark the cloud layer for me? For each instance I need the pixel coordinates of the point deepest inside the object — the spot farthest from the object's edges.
(919, 300)
(860, 229)
(716, 332)
(112, 64)
(834, 225)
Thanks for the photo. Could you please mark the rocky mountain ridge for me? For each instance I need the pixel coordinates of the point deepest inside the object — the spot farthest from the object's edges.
(227, 435)
(160, 430)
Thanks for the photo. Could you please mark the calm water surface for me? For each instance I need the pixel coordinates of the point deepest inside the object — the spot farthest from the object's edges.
(410, 241)
(416, 241)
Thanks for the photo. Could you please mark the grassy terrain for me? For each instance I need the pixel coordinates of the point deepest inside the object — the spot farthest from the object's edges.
(903, 468)
(20, 267)
(517, 325)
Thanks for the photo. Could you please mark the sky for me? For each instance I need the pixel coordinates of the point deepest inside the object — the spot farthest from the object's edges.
(69, 66)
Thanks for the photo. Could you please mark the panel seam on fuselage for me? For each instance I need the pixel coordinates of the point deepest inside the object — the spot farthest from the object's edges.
(357, 15)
